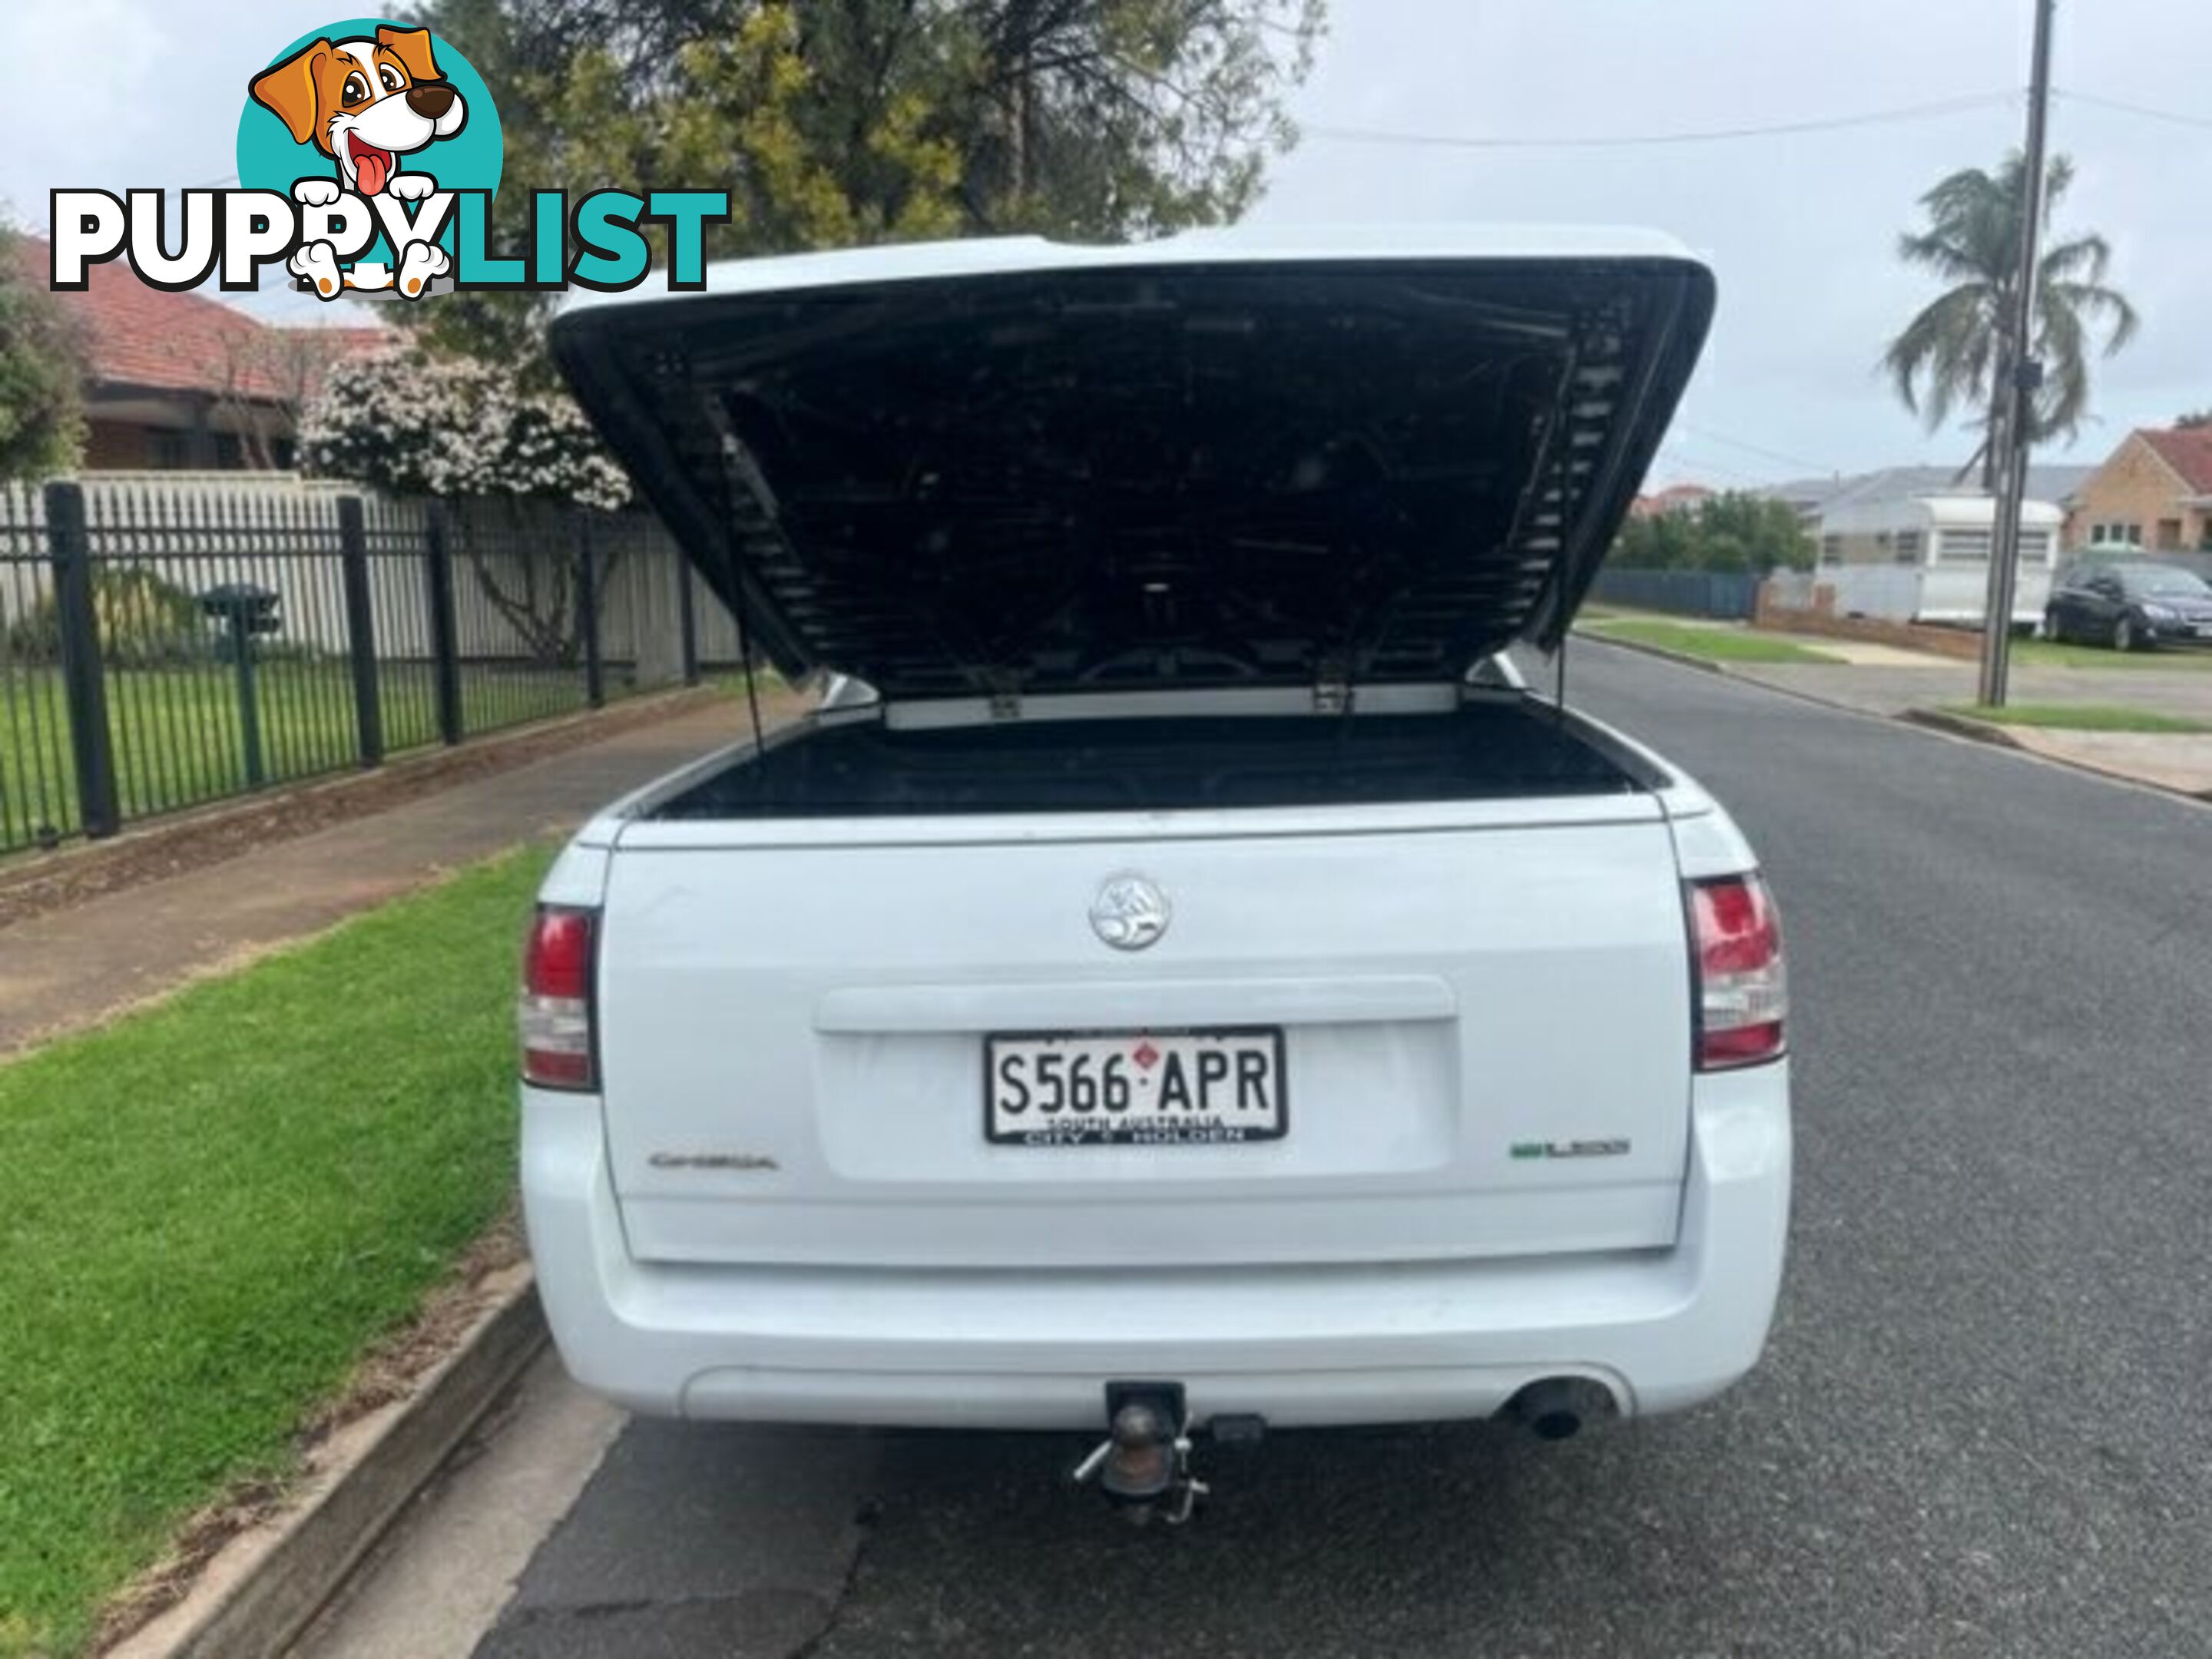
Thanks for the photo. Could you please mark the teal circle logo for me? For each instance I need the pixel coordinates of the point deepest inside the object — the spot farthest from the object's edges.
(378, 109)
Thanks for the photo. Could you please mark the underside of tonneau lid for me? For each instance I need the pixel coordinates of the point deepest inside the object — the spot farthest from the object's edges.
(1016, 467)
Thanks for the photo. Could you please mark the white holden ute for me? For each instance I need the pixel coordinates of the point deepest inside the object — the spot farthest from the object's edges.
(1183, 977)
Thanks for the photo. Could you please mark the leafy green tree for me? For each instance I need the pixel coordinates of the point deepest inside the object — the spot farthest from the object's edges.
(838, 122)
(2195, 420)
(1948, 356)
(41, 396)
(1731, 532)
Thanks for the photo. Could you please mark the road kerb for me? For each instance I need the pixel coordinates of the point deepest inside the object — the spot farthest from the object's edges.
(1659, 651)
(1954, 726)
(1963, 725)
(257, 1594)
(1991, 731)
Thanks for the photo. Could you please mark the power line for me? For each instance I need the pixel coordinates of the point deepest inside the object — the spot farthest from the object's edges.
(1734, 479)
(1703, 435)
(1679, 463)
(1710, 135)
(2094, 101)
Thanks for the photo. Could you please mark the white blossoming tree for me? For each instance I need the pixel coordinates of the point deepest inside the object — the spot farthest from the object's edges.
(409, 422)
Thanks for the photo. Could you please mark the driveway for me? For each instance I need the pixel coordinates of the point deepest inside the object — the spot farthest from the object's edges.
(1982, 1429)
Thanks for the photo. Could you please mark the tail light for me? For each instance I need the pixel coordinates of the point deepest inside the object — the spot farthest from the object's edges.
(1743, 993)
(560, 1048)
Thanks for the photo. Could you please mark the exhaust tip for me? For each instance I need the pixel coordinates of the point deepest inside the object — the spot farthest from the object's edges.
(1557, 1423)
(1557, 1407)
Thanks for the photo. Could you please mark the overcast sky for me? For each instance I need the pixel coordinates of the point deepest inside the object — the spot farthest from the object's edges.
(1800, 226)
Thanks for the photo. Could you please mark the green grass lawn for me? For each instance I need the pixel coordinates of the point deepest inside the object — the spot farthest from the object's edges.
(208, 1211)
(2076, 717)
(1712, 644)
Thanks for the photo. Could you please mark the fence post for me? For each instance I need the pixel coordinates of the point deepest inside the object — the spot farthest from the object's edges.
(238, 636)
(687, 617)
(445, 650)
(361, 629)
(588, 614)
(77, 623)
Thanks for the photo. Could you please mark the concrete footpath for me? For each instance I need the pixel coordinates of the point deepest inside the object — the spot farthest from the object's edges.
(77, 966)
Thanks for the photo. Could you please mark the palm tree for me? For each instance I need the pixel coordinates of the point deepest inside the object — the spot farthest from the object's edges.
(1948, 355)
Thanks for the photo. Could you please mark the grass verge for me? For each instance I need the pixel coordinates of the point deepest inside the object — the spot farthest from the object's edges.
(208, 1210)
(2076, 717)
(1712, 644)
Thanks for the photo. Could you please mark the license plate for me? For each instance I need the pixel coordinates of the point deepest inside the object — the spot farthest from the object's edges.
(1183, 1088)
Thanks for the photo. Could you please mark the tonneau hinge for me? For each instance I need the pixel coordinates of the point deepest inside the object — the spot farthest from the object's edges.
(1332, 692)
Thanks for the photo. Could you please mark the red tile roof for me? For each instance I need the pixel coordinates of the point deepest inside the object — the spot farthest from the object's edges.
(1674, 498)
(2188, 451)
(136, 336)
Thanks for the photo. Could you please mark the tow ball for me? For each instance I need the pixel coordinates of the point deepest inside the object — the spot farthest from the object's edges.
(1143, 1465)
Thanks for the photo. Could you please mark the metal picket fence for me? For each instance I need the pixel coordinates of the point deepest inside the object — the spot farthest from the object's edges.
(1729, 594)
(165, 644)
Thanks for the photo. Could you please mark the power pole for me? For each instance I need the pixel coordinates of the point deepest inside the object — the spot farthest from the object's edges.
(2020, 377)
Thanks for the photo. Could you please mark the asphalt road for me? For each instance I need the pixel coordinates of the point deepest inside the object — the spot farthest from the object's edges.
(1982, 1427)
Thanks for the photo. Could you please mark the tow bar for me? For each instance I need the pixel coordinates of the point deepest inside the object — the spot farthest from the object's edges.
(1143, 1465)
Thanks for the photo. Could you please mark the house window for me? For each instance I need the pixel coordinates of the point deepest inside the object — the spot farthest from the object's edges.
(1908, 547)
(2116, 535)
(1831, 550)
(1963, 547)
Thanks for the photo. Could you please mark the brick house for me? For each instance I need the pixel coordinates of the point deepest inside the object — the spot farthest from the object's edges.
(2154, 492)
(179, 381)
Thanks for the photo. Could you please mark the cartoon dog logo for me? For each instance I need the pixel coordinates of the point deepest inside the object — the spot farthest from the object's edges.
(365, 103)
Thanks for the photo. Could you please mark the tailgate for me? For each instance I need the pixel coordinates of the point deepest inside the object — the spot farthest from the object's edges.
(1484, 1046)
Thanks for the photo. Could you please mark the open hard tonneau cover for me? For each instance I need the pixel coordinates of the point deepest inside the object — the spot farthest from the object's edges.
(1225, 458)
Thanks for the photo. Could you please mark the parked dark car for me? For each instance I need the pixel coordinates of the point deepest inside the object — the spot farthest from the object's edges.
(2129, 607)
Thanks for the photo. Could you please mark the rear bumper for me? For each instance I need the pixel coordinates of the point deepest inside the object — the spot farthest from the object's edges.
(1029, 1349)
